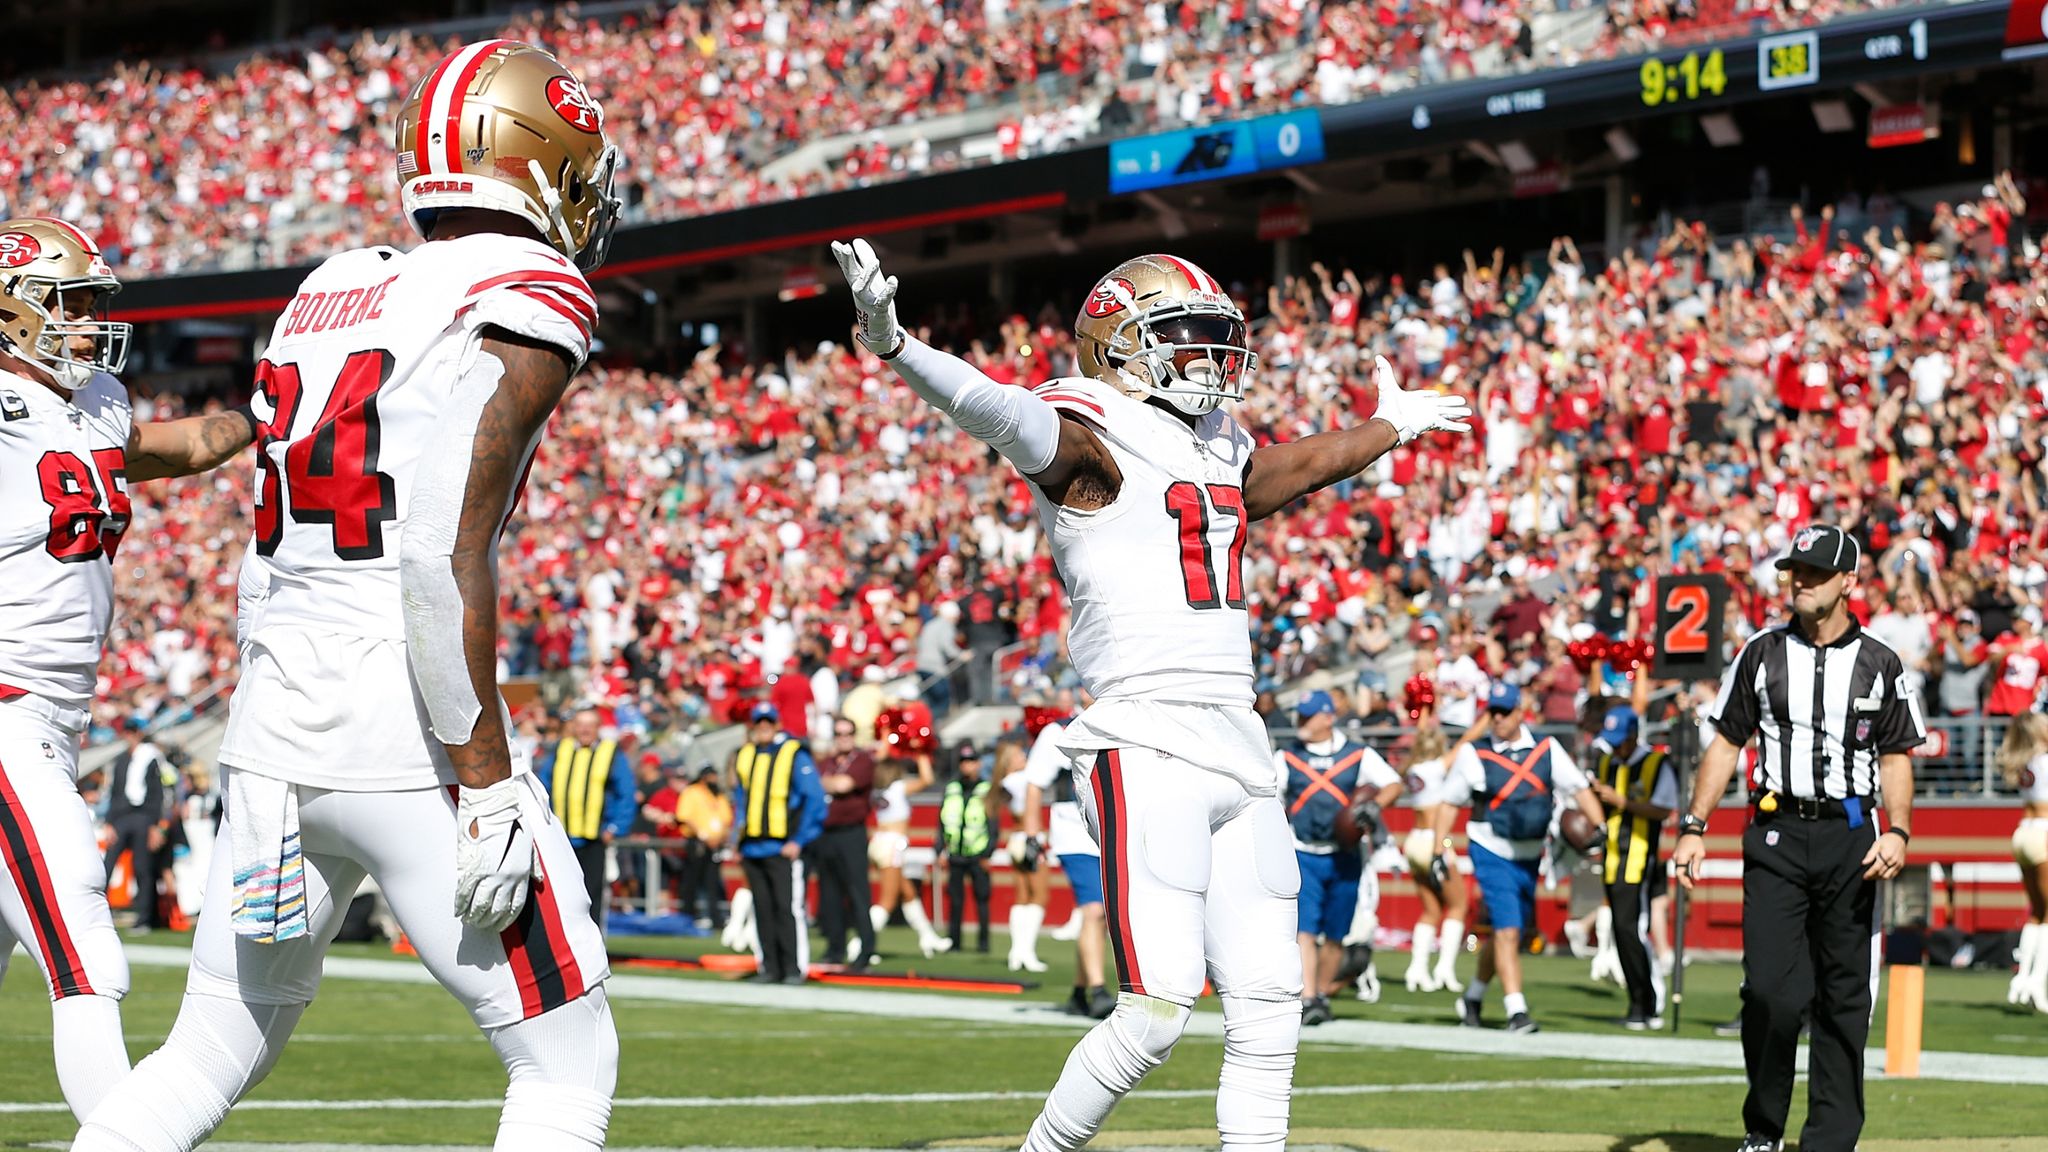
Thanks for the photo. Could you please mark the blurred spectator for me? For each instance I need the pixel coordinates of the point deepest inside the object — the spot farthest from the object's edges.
(592, 796)
(704, 816)
(968, 816)
(139, 815)
(847, 773)
(938, 645)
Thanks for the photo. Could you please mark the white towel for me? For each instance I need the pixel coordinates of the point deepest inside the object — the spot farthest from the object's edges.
(270, 869)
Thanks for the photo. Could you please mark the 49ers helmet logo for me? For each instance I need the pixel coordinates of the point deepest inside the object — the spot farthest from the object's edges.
(574, 105)
(18, 248)
(1107, 300)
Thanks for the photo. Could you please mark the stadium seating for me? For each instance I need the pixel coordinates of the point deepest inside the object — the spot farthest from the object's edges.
(280, 158)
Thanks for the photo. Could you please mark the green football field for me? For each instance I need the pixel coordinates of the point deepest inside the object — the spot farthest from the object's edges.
(385, 1060)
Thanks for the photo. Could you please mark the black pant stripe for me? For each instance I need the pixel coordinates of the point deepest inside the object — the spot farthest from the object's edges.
(1112, 859)
(541, 947)
(65, 978)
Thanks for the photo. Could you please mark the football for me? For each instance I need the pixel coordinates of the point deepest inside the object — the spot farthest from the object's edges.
(1356, 820)
(1579, 830)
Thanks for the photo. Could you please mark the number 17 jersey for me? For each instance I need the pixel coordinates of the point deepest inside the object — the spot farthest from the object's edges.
(1160, 633)
(357, 387)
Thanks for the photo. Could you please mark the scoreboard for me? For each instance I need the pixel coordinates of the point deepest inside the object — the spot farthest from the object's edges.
(1891, 45)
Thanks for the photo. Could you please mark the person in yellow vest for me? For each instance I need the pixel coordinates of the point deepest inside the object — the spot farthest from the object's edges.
(592, 791)
(1636, 785)
(778, 807)
(967, 835)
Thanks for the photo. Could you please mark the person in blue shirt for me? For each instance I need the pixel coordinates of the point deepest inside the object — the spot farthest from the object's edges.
(778, 808)
(1513, 782)
(1320, 775)
(591, 789)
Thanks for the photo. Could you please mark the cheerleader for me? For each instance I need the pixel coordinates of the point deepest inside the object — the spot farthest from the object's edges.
(895, 779)
(1441, 927)
(2025, 761)
(1030, 878)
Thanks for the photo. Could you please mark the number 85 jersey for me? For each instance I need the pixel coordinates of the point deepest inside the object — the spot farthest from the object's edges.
(1156, 577)
(360, 380)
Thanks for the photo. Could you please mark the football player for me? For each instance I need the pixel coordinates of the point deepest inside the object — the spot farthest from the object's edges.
(1146, 488)
(405, 395)
(68, 451)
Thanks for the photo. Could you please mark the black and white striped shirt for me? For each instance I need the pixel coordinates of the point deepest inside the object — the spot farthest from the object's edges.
(1822, 715)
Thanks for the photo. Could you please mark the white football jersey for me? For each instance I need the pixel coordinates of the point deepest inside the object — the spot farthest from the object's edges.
(63, 465)
(354, 390)
(1160, 634)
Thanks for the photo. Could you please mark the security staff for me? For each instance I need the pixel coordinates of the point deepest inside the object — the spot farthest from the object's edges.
(1825, 700)
(778, 808)
(1511, 781)
(967, 818)
(1635, 784)
(1318, 774)
(593, 802)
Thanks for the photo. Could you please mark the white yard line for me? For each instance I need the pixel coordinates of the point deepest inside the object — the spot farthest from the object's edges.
(855, 1098)
(1657, 1051)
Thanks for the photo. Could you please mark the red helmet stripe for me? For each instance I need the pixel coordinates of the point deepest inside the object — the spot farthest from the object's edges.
(420, 154)
(478, 53)
(1197, 279)
(84, 241)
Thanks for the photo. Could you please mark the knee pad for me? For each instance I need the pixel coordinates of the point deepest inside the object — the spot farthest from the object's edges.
(216, 1052)
(543, 1117)
(575, 1045)
(1145, 1029)
(1261, 1031)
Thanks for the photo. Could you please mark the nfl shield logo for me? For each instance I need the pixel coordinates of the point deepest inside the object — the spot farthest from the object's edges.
(1862, 731)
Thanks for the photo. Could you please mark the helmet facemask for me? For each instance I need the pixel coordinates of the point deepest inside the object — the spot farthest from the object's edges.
(51, 316)
(1190, 354)
(604, 215)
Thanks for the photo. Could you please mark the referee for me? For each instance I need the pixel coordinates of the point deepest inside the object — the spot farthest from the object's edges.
(1825, 700)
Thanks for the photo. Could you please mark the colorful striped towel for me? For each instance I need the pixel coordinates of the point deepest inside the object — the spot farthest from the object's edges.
(270, 867)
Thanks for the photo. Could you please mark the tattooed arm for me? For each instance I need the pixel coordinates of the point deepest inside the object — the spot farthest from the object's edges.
(192, 445)
(461, 686)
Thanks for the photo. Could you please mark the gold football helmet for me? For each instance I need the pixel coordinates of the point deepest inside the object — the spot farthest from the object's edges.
(54, 288)
(1160, 326)
(502, 125)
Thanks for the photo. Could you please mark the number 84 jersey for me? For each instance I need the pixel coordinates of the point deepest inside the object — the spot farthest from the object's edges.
(359, 383)
(63, 466)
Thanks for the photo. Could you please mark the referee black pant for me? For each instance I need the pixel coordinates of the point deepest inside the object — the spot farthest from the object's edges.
(843, 889)
(1809, 942)
(1630, 903)
(777, 883)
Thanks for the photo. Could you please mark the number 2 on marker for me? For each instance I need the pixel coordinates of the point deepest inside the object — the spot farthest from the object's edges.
(1688, 636)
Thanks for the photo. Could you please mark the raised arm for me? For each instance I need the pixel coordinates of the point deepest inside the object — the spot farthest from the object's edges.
(1048, 450)
(192, 445)
(1279, 474)
(448, 578)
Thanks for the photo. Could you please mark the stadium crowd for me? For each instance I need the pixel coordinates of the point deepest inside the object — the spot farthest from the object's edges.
(279, 157)
(687, 543)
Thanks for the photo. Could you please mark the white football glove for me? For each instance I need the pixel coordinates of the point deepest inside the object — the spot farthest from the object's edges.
(1423, 410)
(494, 854)
(874, 295)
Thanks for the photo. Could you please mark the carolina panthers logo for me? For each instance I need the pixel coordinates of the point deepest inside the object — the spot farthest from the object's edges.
(18, 248)
(1806, 539)
(1106, 300)
(574, 105)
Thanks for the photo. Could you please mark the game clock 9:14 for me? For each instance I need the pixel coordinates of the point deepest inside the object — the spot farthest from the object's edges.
(1690, 77)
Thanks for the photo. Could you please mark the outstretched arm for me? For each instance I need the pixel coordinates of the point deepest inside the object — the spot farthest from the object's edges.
(1029, 432)
(1280, 474)
(192, 445)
